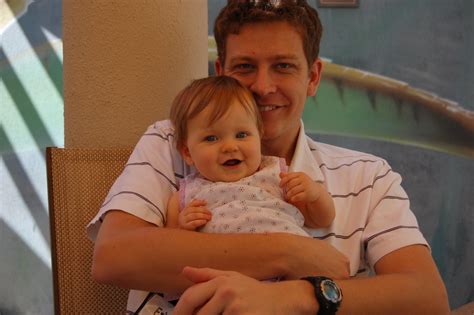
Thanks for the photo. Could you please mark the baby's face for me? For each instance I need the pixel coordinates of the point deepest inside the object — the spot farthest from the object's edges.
(228, 149)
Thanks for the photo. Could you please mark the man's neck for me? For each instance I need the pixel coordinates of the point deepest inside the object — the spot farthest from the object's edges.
(274, 147)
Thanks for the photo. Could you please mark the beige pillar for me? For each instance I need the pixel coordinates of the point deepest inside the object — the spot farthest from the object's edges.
(124, 61)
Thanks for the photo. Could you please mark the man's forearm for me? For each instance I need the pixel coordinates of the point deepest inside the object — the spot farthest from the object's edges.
(400, 293)
(386, 294)
(405, 293)
(145, 257)
(415, 289)
(407, 282)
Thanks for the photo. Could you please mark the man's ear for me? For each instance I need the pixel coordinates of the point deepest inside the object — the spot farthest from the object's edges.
(186, 155)
(218, 67)
(314, 77)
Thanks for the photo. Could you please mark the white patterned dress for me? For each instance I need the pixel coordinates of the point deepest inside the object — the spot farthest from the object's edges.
(253, 204)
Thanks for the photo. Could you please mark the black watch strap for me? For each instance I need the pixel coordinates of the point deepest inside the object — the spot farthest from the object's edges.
(327, 293)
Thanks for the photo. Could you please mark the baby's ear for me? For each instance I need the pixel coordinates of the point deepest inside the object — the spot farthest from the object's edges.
(186, 155)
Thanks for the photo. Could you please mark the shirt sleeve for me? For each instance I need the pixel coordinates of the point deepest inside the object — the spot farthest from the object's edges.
(391, 224)
(147, 181)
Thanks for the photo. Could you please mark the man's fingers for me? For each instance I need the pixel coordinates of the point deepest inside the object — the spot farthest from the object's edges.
(197, 275)
(216, 305)
(205, 296)
(193, 298)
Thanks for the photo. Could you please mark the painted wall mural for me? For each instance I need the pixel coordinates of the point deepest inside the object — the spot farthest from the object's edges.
(397, 82)
(31, 114)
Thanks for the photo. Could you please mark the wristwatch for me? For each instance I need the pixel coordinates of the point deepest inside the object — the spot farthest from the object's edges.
(328, 294)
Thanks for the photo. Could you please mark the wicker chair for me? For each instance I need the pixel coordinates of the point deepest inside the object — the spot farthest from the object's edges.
(78, 180)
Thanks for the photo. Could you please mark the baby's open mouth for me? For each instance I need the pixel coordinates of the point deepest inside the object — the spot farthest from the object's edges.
(232, 162)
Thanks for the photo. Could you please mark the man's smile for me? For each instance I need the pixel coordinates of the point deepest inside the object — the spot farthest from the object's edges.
(267, 108)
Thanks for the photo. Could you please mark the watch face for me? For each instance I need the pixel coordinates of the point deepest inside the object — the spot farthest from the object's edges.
(330, 291)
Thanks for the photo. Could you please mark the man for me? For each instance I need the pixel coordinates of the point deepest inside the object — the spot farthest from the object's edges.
(272, 48)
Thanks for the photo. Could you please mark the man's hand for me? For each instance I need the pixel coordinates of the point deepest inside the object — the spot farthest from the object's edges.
(229, 292)
(315, 257)
(194, 215)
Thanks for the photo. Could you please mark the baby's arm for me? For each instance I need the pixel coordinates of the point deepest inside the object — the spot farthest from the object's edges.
(310, 197)
(190, 218)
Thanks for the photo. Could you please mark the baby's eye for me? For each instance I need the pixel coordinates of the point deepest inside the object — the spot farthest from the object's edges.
(241, 134)
(210, 138)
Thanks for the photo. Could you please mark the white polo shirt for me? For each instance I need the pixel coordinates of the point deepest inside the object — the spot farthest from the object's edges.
(373, 216)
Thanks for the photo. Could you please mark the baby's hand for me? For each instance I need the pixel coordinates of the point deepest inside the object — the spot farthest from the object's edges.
(194, 215)
(299, 188)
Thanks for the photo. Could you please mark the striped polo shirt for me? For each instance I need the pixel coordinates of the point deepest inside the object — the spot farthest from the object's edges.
(373, 216)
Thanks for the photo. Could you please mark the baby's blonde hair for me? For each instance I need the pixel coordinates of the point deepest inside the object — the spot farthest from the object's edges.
(214, 92)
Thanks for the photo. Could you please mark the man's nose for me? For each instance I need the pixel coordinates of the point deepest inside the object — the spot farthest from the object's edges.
(263, 83)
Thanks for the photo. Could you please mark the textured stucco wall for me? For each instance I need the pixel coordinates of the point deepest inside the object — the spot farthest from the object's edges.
(124, 61)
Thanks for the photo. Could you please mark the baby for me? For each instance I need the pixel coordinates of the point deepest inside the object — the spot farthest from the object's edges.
(235, 189)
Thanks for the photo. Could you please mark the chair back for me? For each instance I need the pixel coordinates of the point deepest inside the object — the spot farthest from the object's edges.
(78, 181)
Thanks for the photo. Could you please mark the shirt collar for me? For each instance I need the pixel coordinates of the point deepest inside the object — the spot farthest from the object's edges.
(303, 158)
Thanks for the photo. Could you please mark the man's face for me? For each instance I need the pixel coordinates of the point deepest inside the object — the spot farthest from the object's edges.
(268, 58)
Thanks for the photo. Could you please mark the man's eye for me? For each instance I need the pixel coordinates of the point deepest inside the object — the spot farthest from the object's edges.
(210, 138)
(243, 67)
(284, 66)
(241, 134)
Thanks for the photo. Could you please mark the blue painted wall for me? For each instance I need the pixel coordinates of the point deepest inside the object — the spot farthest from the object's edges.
(31, 114)
(428, 44)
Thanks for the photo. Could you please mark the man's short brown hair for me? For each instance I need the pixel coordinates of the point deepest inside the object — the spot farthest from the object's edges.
(216, 93)
(297, 13)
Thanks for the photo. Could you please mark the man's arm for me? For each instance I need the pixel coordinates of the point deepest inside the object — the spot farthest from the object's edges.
(172, 212)
(132, 253)
(407, 282)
